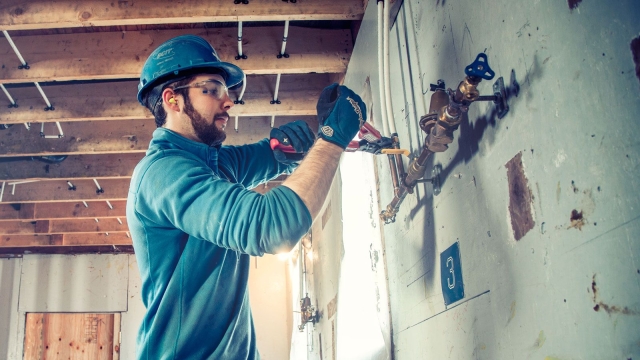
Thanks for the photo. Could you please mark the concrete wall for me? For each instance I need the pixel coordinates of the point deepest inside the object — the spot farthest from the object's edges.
(569, 287)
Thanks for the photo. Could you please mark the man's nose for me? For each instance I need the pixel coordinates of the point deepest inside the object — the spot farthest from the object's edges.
(227, 103)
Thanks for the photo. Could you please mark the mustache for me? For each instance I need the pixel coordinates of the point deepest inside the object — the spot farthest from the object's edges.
(222, 114)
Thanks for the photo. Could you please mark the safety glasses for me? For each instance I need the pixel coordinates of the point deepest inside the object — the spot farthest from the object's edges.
(211, 87)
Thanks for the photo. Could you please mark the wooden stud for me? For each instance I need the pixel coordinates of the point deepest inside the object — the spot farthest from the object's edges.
(74, 167)
(57, 190)
(62, 210)
(41, 227)
(18, 15)
(119, 55)
(96, 239)
(133, 136)
(117, 100)
(17, 211)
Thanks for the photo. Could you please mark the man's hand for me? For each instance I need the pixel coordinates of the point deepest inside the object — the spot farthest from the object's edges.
(296, 134)
(341, 113)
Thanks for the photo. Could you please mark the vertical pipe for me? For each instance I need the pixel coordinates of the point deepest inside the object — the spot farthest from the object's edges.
(273, 120)
(275, 94)
(284, 38)
(244, 86)
(383, 110)
(387, 81)
(240, 38)
(236, 124)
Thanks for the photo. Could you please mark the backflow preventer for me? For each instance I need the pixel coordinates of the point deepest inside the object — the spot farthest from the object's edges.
(446, 111)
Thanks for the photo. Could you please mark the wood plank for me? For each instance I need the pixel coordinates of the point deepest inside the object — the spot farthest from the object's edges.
(298, 95)
(117, 325)
(96, 239)
(17, 211)
(129, 136)
(34, 333)
(102, 166)
(120, 55)
(62, 210)
(90, 137)
(44, 227)
(17, 227)
(57, 190)
(18, 15)
(89, 239)
(11, 252)
(30, 240)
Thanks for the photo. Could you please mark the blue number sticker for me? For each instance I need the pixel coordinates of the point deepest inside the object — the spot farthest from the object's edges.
(451, 274)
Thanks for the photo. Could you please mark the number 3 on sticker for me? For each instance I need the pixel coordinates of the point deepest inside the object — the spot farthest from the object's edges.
(452, 284)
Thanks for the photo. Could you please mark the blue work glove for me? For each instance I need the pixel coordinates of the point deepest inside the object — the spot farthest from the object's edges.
(293, 141)
(341, 113)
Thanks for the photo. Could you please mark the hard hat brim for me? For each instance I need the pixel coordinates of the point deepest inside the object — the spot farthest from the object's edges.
(234, 75)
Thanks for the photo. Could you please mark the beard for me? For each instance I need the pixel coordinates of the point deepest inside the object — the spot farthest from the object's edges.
(209, 134)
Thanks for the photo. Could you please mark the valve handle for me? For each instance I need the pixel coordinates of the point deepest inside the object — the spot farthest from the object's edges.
(480, 68)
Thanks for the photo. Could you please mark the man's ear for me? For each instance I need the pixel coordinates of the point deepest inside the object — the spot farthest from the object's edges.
(170, 98)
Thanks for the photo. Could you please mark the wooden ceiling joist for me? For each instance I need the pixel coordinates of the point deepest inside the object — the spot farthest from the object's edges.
(85, 190)
(58, 190)
(48, 227)
(64, 240)
(43, 14)
(73, 167)
(298, 95)
(120, 55)
(126, 136)
(62, 210)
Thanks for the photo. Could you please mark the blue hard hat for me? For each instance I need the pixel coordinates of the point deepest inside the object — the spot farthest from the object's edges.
(180, 56)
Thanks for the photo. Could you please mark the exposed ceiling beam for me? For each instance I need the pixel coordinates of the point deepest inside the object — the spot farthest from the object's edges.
(120, 55)
(62, 210)
(298, 95)
(64, 240)
(45, 227)
(57, 190)
(127, 136)
(73, 167)
(85, 190)
(12, 252)
(21, 15)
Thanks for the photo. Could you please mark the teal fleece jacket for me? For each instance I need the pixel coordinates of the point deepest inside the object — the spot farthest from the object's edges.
(194, 225)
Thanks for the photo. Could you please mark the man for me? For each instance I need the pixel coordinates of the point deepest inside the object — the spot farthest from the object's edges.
(193, 221)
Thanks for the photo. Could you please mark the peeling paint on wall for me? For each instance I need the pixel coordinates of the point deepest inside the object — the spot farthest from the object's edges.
(573, 4)
(519, 198)
(635, 51)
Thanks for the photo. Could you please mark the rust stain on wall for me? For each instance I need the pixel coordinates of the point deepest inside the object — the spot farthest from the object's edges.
(573, 4)
(635, 51)
(519, 198)
(609, 309)
(577, 220)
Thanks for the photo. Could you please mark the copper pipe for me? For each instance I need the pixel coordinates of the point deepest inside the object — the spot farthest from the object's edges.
(394, 174)
(416, 171)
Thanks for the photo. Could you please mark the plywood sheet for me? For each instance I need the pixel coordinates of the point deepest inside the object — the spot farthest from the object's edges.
(79, 336)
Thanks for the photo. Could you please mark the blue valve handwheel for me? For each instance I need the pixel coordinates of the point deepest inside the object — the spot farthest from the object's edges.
(480, 68)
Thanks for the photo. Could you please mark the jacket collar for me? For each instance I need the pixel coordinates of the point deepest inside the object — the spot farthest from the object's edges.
(164, 138)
